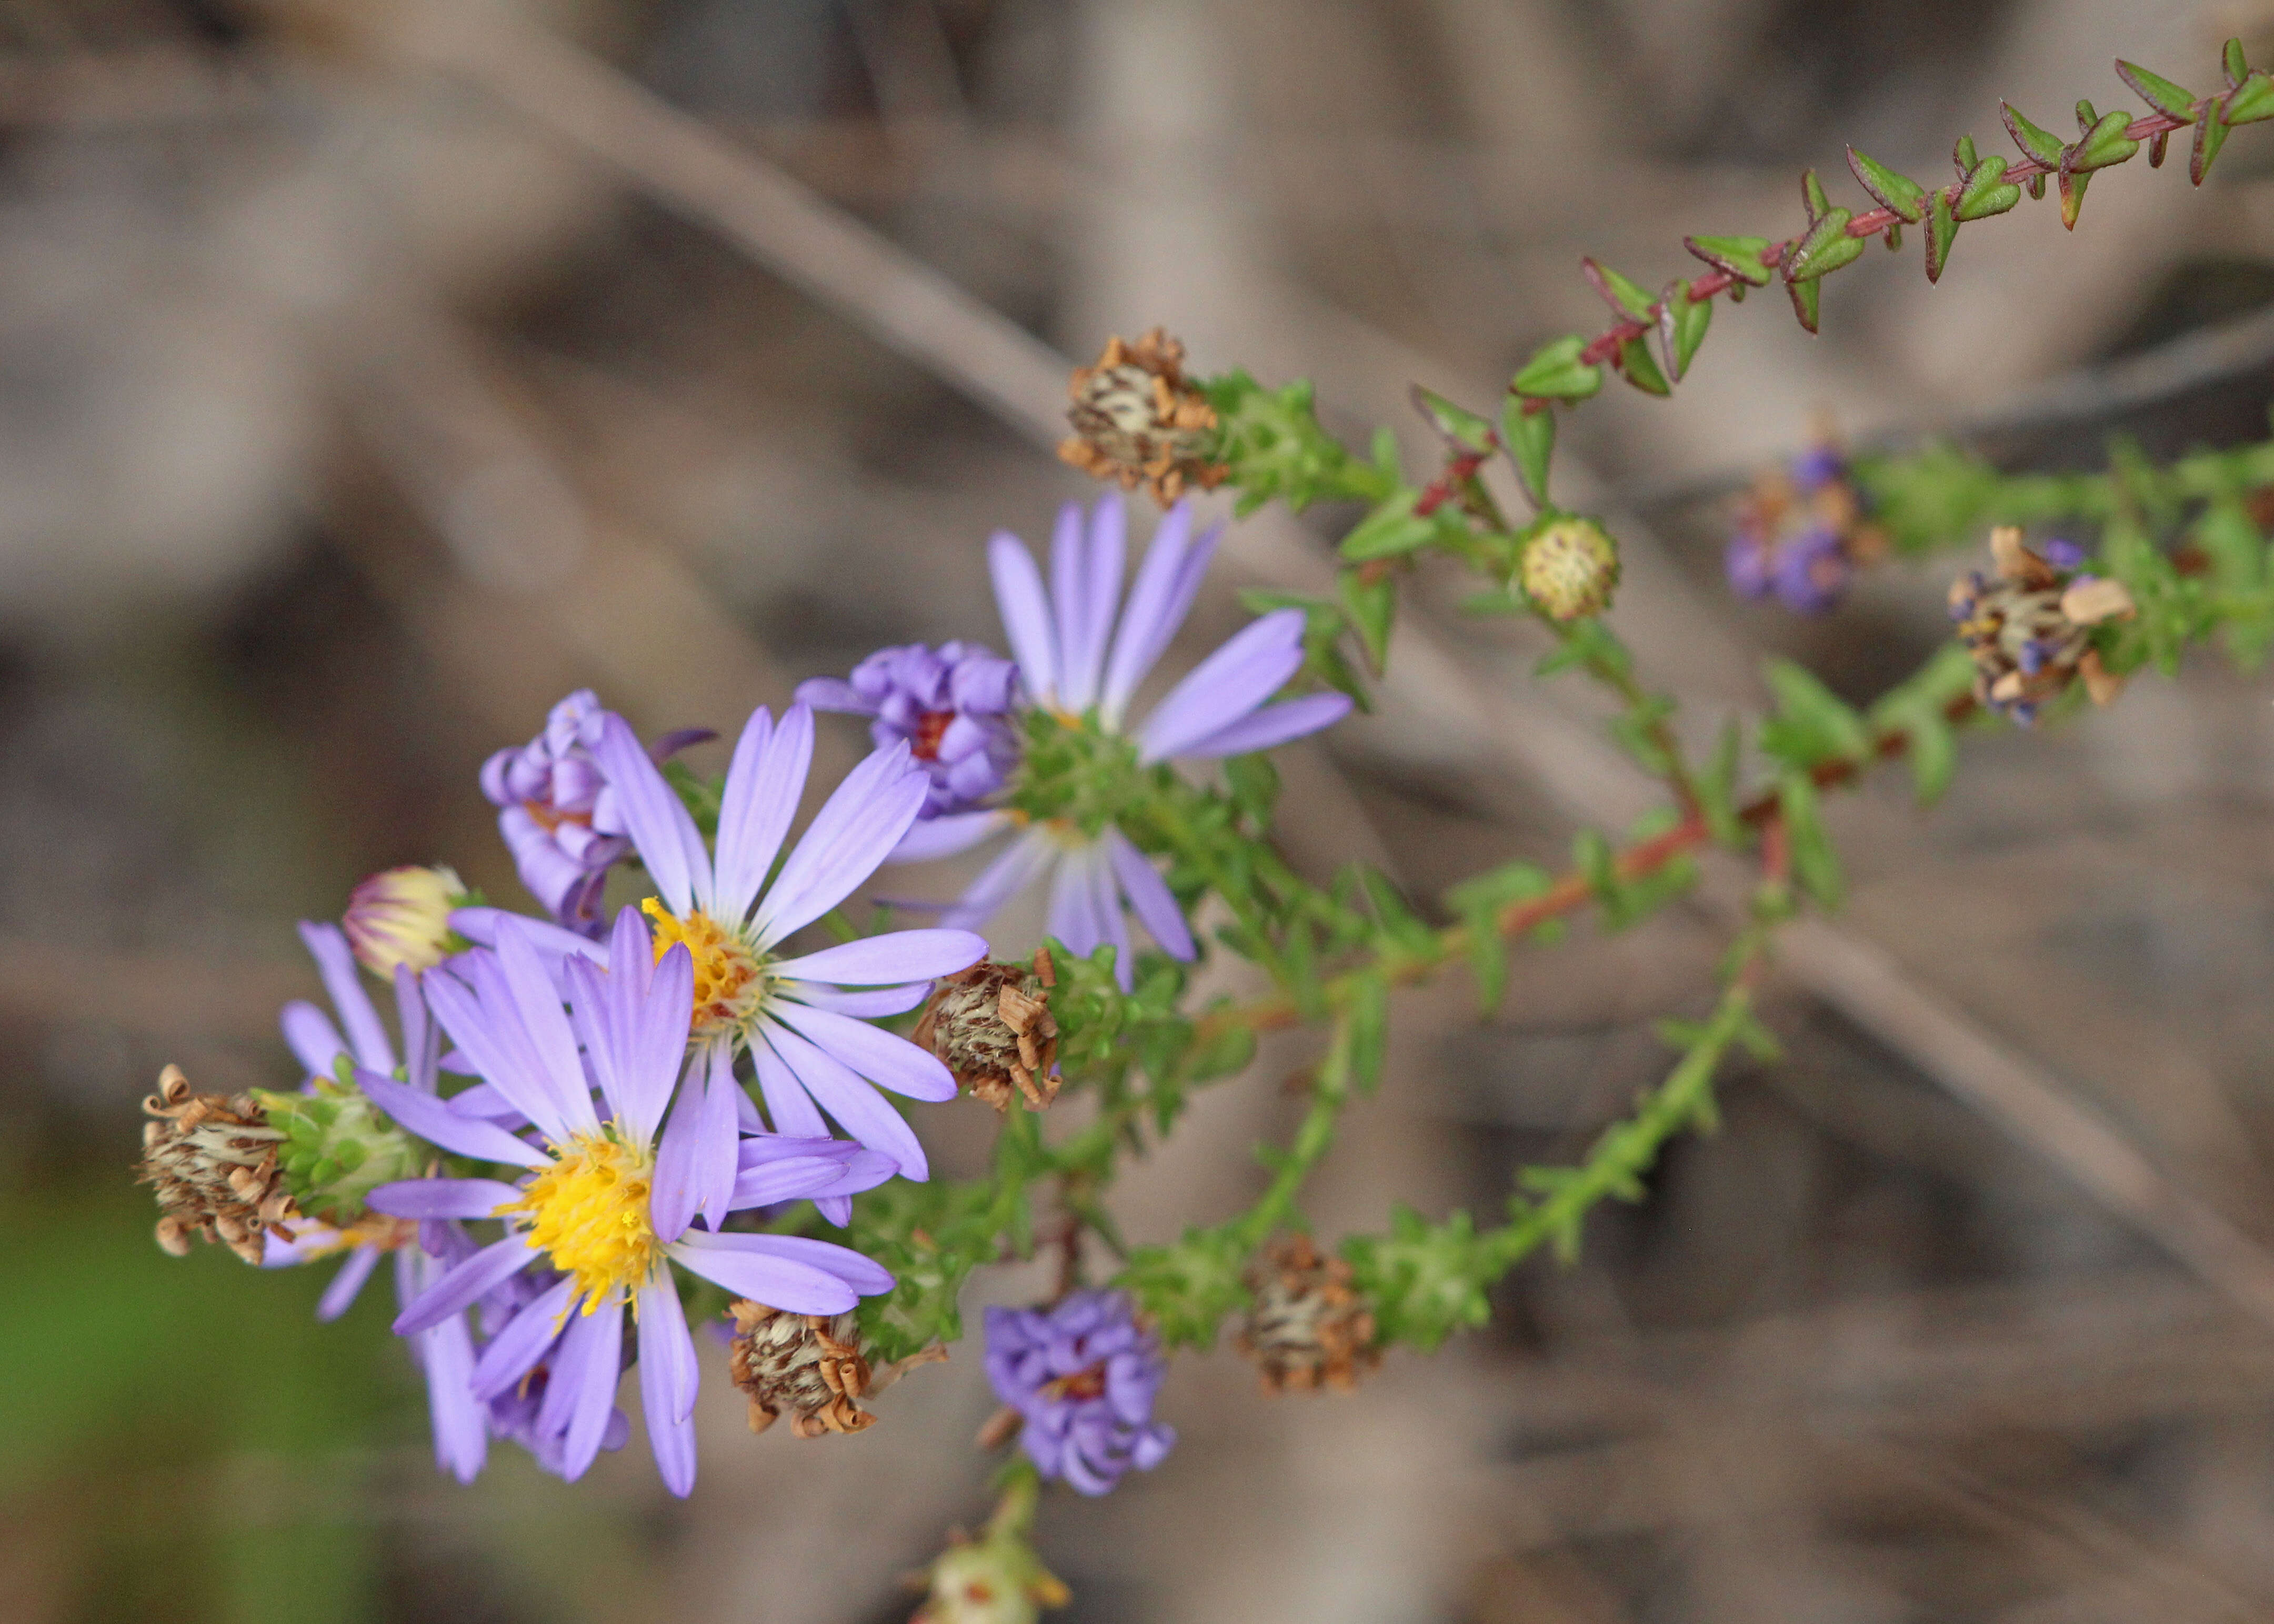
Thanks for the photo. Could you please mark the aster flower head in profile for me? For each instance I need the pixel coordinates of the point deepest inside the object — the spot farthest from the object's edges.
(1082, 1376)
(607, 1194)
(1081, 652)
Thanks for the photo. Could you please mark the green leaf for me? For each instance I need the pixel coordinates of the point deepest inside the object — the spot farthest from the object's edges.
(2158, 92)
(1390, 530)
(1985, 194)
(1807, 296)
(2106, 145)
(2250, 102)
(2232, 60)
(1621, 295)
(1962, 155)
(1455, 425)
(1941, 231)
(1372, 604)
(2043, 145)
(1895, 192)
(1737, 256)
(1530, 436)
(2210, 135)
(1827, 247)
(1556, 372)
(1682, 324)
(1813, 725)
(1717, 787)
(1814, 863)
(1933, 754)
(1639, 367)
(1369, 1030)
(1811, 196)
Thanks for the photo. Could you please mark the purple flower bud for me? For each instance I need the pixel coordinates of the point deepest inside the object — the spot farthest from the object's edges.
(2062, 554)
(1083, 1376)
(952, 705)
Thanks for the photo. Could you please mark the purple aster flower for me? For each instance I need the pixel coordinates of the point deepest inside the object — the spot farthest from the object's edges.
(608, 1201)
(952, 706)
(1081, 651)
(1812, 572)
(808, 1036)
(1083, 1377)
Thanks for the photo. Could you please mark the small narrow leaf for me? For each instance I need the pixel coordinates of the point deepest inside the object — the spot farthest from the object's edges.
(2106, 145)
(2043, 145)
(1814, 863)
(1682, 324)
(2210, 135)
(2236, 67)
(1530, 436)
(1827, 247)
(1807, 296)
(1556, 372)
(1985, 192)
(1812, 195)
(2251, 100)
(1372, 606)
(1963, 156)
(1895, 192)
(1640, 368)
(1941, 231)
(1622, 296)
(2072, 196)
(1392, 529)
(1738, 256)
(2157, 91)
(1458, 426)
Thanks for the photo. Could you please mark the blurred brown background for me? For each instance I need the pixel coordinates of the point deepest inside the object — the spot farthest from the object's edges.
(364, 387)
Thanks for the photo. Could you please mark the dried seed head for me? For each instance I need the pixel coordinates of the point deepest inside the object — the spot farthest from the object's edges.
(1570, 569)
(992, 1025)
(1307, 1325)
(1137, 420)
(2029, 625)
(809, 1364)
(212, 1161)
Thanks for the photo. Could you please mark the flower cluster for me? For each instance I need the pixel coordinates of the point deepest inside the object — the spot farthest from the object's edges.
(1083, 1378)
(1802, 533)
(2029, 624)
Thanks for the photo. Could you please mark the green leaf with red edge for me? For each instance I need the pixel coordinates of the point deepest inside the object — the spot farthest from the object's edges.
(2106, 145)
(1459, 427)
(1737, 256)
(2041, 144)
(1963, 157)
(2173, 100)
(1639, 367)
(1985, 194)
(1807, 298)
(1682, 324)
(2232, 60)
(1898, 193)
(2072, 196)
(1811, 196)
(2210, 135)
(1531, 438)
(1827, 247)
(2251, 100)
(1941, 231)
(1623, 296)
(1556, 372)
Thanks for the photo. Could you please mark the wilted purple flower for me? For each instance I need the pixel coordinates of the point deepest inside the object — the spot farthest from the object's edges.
(952, 706)
(1081, 652)
(1800, 533)
(608, 1202)
(1083, 1376)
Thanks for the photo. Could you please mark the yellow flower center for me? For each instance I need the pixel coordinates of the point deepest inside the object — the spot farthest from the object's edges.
(730, 982)
(589, 1213)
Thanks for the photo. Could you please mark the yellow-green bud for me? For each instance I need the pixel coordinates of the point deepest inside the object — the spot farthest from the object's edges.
(401, 916)
(1570, 569)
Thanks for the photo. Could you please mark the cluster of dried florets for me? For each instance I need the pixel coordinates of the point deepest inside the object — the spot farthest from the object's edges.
(1137, 420)
(992, 1025)
(807, 1364)
(1307, 1327)
(2029, 625)
(212, 1160)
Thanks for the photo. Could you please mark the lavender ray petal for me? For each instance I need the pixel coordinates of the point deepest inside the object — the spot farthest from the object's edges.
(486, 1030)
(422, 1042)
(930, 838)
(1105, 905)
(309, 1033)
(669, 1380)
(327, 944)
(538, 1001)
(651, 1047)
(791, 1108)
(1274, 725)
(483, 1100)
(716, 1155)
(675, 1193)
(863, 1006)
(595, 1385)
(863, 1170)
(464, 1283)
(856, 1270)
(747, 1269)
(764, 783)
(833, 694)
(461, 1434)
(443, 1198)
(853, 832)
(1155, 907)
(436, 1122)
(1071, 917)
(1089, 616)
(1021, 861)
(793, 1180)
(883, 1057)
(347, 1285)
(1166, 586)
(659, 826)
(480, 926)
(1226, 685)
(865, 1113)
(896, 956)
(521, 1341)
(1025, 611)
(822, 1261)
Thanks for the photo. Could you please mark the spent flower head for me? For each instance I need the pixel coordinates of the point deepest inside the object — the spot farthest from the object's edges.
(2029, 624)
(1137, 420)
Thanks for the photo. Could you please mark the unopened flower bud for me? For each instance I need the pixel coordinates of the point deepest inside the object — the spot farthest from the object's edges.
(998, 1580)
(807, 1364)
(401, 916)
(2029, 626)
(1570, 569)
(992, 1025)
(211, 1159)
(1307, 1327)
(337, 1149)
(1137, 420)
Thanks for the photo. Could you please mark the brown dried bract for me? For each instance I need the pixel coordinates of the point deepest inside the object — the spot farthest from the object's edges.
(807, 1364)
(992, 1026)
(2028, 627)
(1308, 1327)
(1137, 420)
(211, 1159)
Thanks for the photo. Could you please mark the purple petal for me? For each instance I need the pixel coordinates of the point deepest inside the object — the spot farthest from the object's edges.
(883, 1057)
(1149, 896)
(483, 1100)
(658, 822)
(896, 956)
(431, 1120)
(866, 1005)
(1021, 861)
(765, 1270)
(866, 1115)
(855, 830)
(676, 1192)
(669, 1379)
(1226, 685)
(833, 694)
(1086, 564)
(521, 1341)
(591, 1358)
(864, 1274)
(764, 783)
(537, 1002)
(422, 1040)
(791, 1180)
(1167, 583)
(480, 926)
(793, 1111)
(1072, 913)
(930, 838)
(1105, 906)
(339, 1296)
(443, 1198)
(490, 1032)
(461, 1427)
(1025, 612)
(335, 963)
(713, 1169)
(463, 1284)
(1274, 725)
(309, 1033)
